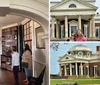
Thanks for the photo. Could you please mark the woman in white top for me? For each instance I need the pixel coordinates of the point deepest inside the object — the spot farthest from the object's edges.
(15, 64)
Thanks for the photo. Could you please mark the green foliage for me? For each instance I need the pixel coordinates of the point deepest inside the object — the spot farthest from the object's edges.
(55, 46)
(79, 81)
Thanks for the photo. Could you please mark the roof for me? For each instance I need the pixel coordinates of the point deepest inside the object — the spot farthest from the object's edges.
(80, 1)
(80, 47)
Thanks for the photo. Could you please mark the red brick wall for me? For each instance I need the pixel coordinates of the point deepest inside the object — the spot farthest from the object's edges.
(91, 68)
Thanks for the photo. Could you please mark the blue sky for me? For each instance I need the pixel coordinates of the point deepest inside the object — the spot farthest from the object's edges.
(97, 4)
(54, 55)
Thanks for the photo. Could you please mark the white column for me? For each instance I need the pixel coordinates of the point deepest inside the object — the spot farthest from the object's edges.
(60, 69)
(81, 69)
(65, 70)
(66, 27)
(76, 69)
(57, 29)
(93, 27)
(79, 22)
(90, 29)
(70, 69)
(46, 77)
(53, 28)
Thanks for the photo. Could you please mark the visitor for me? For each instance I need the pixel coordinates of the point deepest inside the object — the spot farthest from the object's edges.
(79, 36)
(15, 64)
(72, 38)
(27, 63)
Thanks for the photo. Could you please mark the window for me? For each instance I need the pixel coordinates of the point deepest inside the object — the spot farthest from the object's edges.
(95, 70)
(73, 29)
(98, 32)
(67, 58)
(73, 26)
(28, 34)
(62, 31)
(87, 71)
(80, 53)
(72, 6)
(72, 53)
(85, 30)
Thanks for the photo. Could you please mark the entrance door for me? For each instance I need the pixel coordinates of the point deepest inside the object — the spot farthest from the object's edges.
(73, 26)
(73, 29)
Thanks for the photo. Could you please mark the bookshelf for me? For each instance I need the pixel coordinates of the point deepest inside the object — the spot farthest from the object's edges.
(9, 37)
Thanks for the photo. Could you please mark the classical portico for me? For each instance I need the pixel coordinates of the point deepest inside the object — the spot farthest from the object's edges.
(73, 69)
(72, 15)
(79, 61)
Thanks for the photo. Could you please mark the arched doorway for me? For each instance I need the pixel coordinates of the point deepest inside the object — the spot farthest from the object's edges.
(31, 9)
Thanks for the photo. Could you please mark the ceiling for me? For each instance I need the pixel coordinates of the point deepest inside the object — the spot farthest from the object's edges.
(10, 19)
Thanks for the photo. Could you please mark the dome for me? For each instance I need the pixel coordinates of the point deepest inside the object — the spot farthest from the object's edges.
(79, 48)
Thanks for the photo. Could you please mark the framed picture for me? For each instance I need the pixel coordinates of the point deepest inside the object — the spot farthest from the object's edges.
(40, 42)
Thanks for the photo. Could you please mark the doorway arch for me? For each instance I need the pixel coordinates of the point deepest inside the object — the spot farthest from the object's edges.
(37, 10)
(33, 9)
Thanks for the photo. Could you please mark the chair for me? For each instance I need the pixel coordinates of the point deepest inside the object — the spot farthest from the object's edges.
(37, 80)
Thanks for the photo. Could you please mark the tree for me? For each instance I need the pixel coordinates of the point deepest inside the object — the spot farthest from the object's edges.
(55, 46)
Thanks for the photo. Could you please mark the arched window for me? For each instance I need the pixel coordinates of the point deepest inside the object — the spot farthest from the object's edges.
(72, 6)
(80, 53)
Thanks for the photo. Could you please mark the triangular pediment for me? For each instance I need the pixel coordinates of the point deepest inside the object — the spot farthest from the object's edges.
(66, 58)
(65, 5)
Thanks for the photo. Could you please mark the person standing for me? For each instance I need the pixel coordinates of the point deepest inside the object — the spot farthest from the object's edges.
(15, 64)
(79, 36)
(27, 58)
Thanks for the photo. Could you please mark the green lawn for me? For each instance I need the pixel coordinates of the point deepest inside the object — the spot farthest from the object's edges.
(80, 81)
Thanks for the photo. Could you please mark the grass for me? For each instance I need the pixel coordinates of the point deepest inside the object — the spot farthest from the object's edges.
(79, 81)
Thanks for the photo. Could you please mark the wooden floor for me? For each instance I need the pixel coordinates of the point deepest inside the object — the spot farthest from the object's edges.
(6, 78)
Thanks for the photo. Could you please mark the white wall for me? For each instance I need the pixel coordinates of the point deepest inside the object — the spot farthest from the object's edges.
(40, 56)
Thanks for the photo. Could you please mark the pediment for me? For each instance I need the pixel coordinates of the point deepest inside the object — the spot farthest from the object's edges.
(73, 21)
(66, 58)
(65, 5)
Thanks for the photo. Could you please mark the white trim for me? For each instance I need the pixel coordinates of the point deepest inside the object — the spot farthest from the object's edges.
(80, 52)
(64, 13)
(8, 26)
(25, 21)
